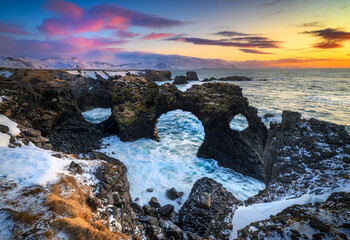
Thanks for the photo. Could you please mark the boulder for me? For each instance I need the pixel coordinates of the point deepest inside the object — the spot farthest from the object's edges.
(206, 199)
(172, 194)
(154, 202)
(166, 210)
(191, 76)
(4, 129)
(180, 80)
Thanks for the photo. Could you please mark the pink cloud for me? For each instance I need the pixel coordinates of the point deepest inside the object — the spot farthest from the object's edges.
(153, 35)
(67, 46)
(72, 19)
(12, 29)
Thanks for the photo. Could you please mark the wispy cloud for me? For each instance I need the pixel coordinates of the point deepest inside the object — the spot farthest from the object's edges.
(153, 36)
(253, 51)
(230, 34)
(12, 29)
(329, 37)
(243, 42)
(311, 24)
(71, 19)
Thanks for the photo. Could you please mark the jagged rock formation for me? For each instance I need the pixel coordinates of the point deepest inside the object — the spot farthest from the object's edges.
(137, 105)
(46, 106)
(180, 80)
(301, 157)
(191, 76)
(152, 75)
(206, 199)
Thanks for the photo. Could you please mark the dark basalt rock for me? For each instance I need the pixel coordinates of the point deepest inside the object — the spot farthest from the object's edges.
(172, 194)
(137, 105)
(180, 80)
(154, 202)
(166, 210)
(196, 214)
(323, 220)
(209, 79)
(154, 76)
(235, 78)
(90, 93)
(191, 76)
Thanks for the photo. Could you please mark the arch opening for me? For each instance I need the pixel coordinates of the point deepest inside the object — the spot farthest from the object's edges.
(172, 161)
(239, 123)
(97, 115)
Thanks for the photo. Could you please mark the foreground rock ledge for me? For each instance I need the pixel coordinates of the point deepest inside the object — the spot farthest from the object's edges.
(137, 104)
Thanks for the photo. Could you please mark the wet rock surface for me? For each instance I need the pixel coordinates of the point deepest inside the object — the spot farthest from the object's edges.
(180, 80)
(191, 76)
(207, 198)
(137, 105)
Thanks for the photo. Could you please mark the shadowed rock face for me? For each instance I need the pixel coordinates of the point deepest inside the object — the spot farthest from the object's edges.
(137, 105)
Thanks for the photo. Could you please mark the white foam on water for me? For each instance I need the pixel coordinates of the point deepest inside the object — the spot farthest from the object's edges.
(172, 162)
(97, 115)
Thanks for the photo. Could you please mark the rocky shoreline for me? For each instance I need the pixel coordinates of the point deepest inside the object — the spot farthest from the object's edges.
(294, 157)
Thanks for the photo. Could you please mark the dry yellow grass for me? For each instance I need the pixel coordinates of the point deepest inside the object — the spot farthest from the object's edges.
(68, 200)
(25, 217)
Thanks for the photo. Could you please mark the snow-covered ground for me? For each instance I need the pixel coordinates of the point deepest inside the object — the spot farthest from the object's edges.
(5, 73)
(245, 215)
(103, 74)
(30, 167)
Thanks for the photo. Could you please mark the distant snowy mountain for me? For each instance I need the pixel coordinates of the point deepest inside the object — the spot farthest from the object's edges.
(133, 60)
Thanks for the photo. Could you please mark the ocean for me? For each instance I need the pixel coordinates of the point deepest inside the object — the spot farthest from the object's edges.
(172, 162)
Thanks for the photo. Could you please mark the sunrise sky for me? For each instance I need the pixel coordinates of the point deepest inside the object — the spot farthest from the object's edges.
(251, 33)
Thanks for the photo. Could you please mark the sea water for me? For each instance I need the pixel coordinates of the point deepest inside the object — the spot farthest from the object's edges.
(172, 162)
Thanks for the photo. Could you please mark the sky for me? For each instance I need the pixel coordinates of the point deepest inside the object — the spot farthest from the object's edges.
(249, 33)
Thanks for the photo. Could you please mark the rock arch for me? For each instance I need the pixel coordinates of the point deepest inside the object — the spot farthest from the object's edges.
(137, 104)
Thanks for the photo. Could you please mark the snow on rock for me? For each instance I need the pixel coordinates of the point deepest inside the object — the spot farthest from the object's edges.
(73, 72)
(245, 215)
(13, 129)
(4, 139)
(90, 74)
(102, 74)
(5, 73)
(29, 166)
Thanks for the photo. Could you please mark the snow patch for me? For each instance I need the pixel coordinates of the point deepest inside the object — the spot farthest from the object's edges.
(102, 74)
(73, 72)
(245, 215)
(4, 139)
(13, 129)
(90, 74)
(29, 166)
(5, 73)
